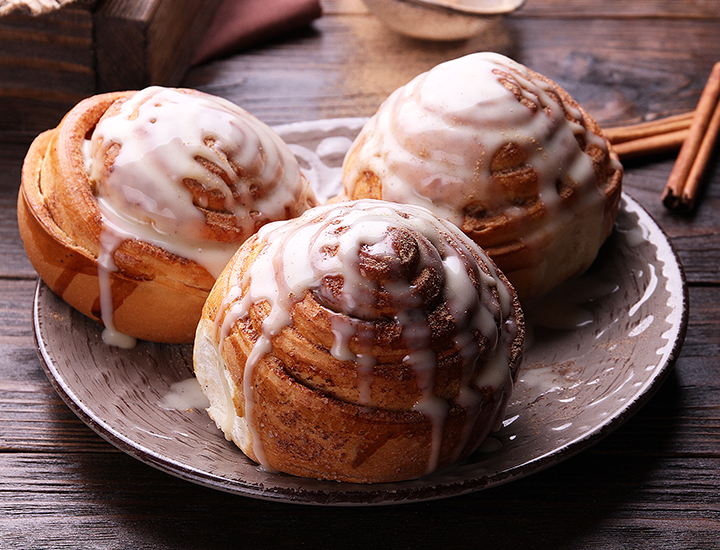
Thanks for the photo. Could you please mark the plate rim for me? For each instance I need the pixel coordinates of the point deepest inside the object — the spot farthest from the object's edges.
(380, 494)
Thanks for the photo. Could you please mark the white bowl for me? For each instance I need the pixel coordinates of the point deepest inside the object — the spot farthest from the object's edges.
(442, 20)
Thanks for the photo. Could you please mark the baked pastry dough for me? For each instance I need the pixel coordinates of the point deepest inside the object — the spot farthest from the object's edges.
(132, 206)
(363, 341)
(504, 153)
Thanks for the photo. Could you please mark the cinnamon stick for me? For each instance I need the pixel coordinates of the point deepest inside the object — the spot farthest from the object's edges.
(643, 130)
(650, 144)
(674, 195)
(694, 178)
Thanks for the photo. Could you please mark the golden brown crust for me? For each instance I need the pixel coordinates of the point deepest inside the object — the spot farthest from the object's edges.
(501, 235)
(537, 264)
(156, 295)
(314, 435)
(312, 418)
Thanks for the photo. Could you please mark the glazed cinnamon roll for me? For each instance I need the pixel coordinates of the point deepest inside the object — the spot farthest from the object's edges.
(504, 153)
(133, 205)
(364, 341)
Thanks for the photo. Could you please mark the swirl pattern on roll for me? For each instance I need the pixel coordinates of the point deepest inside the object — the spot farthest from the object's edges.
(504, 153)
(132, 206)
(186, 169)
(383, 319)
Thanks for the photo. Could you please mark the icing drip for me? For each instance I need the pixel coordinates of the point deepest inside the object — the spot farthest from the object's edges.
(342, 333)
(106, 265)
(348, 255)
(435, 408)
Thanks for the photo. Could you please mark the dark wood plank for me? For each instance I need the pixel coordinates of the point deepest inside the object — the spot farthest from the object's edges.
(625, 71)
(615, 9)
(696, 236)
(145, 42)
(622, 71)
(32, 415)
(14, 261)
(46, 66)
(591, 501)
(618, 9)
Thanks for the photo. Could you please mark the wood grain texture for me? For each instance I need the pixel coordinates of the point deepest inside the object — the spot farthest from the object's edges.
(615, 9)
(653, 9)
(115, 502)
(46, 66)
(50, 62)
(14, 262)
(621, 71)
(143, 43)
(653, 484)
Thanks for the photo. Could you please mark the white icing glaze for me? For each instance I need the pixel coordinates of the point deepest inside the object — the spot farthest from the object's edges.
(110, 335)
(144, 192)
(342, 334)
(432, 141)
(424, 363)
(162, 134)
(296, 257)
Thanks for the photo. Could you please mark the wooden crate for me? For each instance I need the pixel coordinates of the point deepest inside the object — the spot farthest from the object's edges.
(50, 62)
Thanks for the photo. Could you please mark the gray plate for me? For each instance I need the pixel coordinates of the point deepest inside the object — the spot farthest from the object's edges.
(593, 359)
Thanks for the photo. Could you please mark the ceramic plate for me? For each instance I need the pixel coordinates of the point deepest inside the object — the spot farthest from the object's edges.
(591, 362)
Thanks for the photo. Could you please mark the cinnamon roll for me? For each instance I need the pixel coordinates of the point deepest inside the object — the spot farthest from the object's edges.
(133, 205)
(364, 341)
(504, 153)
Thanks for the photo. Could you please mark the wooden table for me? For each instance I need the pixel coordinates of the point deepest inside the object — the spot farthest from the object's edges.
(653, 483)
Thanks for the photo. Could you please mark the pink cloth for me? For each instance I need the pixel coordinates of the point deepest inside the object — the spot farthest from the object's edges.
(240, 24)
